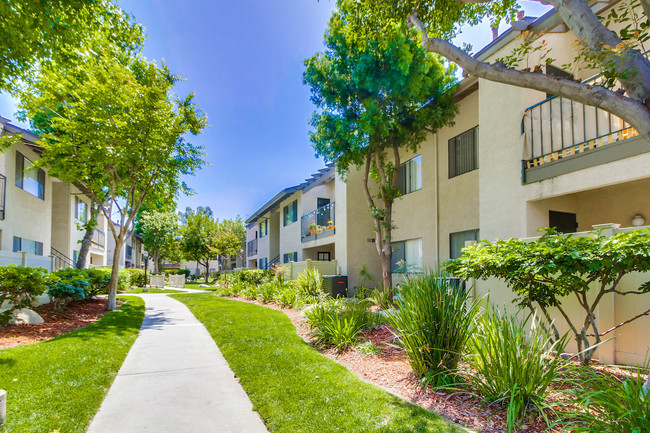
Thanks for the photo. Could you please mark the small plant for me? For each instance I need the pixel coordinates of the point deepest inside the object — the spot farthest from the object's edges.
(382, 297)
(310, 283)
(266, 292)
(368, 348)
(287, 296)
(19, 286)
(434, 322)
(513, 367)
(612, 405)
(338, 322)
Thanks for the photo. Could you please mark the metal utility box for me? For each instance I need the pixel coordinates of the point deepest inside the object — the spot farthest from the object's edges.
(336, 285)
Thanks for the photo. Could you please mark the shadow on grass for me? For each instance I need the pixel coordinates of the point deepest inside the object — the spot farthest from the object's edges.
(7, 362)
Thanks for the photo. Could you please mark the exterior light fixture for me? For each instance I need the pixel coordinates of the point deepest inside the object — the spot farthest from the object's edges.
(638, 220)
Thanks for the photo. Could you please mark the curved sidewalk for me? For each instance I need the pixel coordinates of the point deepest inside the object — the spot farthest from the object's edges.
(174, 379)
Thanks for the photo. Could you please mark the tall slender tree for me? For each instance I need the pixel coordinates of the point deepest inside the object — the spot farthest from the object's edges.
(375, 97)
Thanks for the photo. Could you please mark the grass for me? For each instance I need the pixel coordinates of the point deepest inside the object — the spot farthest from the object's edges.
(59, 384)
(140, 290)
(294, 387)
(196, 286)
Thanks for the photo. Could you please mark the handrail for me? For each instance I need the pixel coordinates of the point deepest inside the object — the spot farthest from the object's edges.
(61, 260)
(3, 190)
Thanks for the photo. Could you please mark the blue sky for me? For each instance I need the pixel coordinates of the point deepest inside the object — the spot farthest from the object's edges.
(244, 61)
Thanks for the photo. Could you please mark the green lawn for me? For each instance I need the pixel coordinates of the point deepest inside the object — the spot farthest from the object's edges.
(59, 384)
(292, 386)
(139, 291)
(196, 286)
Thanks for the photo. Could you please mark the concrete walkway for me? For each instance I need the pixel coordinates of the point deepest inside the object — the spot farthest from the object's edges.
(174, 379)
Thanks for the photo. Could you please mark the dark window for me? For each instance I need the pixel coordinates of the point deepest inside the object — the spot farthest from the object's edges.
(407, 256)
(264, 228)
(290, 257)
(324, 214)
(290, 213)
(409, 178)
(32, 247)
(129, 251)
(264, 263)
(463, 153)
(457, 241)
(324, 256)
(29, 179)
(80, 210)
(564, 222)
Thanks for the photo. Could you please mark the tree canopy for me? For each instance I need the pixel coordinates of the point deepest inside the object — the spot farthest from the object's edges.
(376, 96)
(113, 126)
(160, 233)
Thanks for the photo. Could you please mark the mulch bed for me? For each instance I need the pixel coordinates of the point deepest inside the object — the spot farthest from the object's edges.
(77, 315)
(391, 371)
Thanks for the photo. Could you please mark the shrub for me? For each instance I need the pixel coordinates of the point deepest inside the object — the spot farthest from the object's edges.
(287, 296)
(433, 321)
(612, 405)
(382, 297)
(513, 367)
(19, 286)
(66, 285)
(136, 277)
(266, 292)
(310, 283)
(338, 322)
(185, 272)
(98, 279)
(253, 276)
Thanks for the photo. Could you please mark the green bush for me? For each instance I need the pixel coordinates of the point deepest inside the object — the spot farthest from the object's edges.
(19, 286)
(611, 405)
(382, 297)
(66, 285)
(253, 276)
(98, 279)
(310, 283)
(287, 296)
(434, 321)
(513, 367)
(185, 272)
(136, 277)
(338, 322)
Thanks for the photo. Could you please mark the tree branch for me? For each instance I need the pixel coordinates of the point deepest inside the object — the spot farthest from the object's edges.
(633, 111)
(646, 313)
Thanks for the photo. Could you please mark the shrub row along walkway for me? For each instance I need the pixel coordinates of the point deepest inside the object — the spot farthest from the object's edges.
(174, 379)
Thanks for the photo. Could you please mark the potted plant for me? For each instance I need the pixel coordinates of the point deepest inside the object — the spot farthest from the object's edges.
(312, 228)
(330, 225)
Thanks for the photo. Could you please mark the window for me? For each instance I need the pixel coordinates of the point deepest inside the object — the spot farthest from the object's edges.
(129, 251)
(409, 178)
(407, 256)
(29, 179)
(457, 242)
(32, 247)
(75, 257)
(463, 153)
(290, 213)
(324, 256)
(80, 210)
(290, 257)
(264, 228)
(264, 263)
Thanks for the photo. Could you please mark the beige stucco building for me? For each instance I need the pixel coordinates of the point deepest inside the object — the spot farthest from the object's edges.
(515, 160)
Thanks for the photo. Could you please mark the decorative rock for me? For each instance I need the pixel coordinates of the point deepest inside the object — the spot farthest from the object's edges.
(26, 316)
(3, 406)
(203, 285)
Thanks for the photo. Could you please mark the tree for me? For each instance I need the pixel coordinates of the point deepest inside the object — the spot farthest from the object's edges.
(35, 31)
(619, 54)
(198, 238)
(160, 232)
(554, 266)
(89, 229)
(237, 227)
(112, 124)
(226, 244)
(376, 96)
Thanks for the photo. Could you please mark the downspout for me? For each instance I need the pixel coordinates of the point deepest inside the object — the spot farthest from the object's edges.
(437, 201)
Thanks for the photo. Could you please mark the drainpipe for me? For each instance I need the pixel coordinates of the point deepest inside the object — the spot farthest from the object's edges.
(437, 201)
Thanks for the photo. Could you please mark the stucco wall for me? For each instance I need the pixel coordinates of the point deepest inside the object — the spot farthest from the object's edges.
(289, 240)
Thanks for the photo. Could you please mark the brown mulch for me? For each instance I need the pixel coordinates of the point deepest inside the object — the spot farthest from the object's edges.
(77, 315)
(390, 370)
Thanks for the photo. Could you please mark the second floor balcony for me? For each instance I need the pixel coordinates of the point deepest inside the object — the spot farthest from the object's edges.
(98, 239)
(318, 224)
(561, 136)
(251, 247)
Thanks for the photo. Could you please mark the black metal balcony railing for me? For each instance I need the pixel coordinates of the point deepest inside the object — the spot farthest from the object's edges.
(99, 238)
(3, 189)
(251, 247)
(61, 261)
(319, 223)
(557, 128)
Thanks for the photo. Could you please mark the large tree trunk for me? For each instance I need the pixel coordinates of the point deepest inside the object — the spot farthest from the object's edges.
(85, 247)
(115, 270)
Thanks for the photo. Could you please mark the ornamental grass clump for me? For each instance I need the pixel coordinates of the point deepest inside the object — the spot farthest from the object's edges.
(610, 404)
(433, 321)
(310, 283)
(338, 322)
(511, 366)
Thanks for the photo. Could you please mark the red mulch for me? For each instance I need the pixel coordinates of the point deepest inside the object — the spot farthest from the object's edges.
(391, 371)
(77, 315)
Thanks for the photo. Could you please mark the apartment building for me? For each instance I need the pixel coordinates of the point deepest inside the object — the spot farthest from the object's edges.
(516, 160)
(41, 217)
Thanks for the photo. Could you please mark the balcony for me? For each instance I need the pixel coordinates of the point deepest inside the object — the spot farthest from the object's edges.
(99, 239)
(318, 224)
(561, 136)
(251, 248)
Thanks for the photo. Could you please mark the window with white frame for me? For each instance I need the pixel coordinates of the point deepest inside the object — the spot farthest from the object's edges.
(29, 179)
(27, 245)
(409, 178)
(407, 256)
